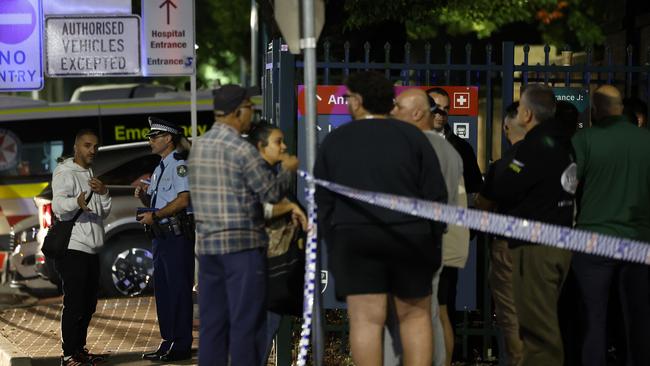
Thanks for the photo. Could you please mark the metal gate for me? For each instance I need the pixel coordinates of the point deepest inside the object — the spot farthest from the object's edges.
(498, 78)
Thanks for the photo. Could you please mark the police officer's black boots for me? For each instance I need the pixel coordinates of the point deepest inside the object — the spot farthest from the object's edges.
(155, 355)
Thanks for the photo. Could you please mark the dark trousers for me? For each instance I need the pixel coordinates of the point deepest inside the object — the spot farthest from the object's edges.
(173, 266)
(595, 275)
(537, 278)
(232, 302)
(79, 274)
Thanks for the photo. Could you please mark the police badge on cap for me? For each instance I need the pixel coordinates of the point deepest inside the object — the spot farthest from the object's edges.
(158, 126)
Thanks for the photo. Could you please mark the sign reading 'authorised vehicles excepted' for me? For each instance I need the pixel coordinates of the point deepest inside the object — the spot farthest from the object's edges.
(93, 46)
(168, 37)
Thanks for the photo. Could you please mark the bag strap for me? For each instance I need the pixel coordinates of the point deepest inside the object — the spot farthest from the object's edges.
(80, 211)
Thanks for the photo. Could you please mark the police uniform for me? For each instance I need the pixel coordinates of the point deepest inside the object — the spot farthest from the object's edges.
(173, 253)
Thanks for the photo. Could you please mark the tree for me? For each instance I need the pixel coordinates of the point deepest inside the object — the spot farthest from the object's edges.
(572, 22)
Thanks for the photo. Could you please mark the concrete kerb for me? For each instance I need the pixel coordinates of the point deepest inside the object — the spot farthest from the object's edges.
(10, 355)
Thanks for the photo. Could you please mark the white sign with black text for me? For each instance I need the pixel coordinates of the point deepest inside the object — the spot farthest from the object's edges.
(168, 36)
(93, 46)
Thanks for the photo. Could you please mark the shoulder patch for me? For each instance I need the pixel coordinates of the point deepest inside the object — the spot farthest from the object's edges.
(516, 166)
(181, 170)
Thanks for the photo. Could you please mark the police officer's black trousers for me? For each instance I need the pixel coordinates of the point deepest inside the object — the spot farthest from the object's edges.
(79, 273)
(173, 265)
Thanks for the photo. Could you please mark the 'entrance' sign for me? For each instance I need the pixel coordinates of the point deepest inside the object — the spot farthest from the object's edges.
(168, 36)
(93, 46)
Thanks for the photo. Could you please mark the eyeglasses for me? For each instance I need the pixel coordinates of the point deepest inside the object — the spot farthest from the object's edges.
(440, 111)
(153, 137)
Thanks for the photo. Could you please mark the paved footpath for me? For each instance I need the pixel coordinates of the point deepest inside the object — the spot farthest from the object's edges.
(123, 328)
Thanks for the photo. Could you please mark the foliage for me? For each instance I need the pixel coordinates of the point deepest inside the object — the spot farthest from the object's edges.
(222, 33)
(560, 22)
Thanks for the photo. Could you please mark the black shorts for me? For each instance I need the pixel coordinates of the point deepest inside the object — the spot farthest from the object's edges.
(399, 259)
(447, 286)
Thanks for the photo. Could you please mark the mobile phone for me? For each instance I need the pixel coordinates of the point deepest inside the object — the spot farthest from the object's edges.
(140, 210)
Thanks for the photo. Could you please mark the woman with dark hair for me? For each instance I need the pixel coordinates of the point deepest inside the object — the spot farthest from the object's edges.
(269, 141)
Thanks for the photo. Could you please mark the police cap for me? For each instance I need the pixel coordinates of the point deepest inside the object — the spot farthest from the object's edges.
(158, 126)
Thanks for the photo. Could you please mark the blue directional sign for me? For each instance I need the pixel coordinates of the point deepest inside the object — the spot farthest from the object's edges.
(21, 45)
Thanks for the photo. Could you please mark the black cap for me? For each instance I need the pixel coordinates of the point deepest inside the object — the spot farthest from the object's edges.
(158, 126)
(227, 98)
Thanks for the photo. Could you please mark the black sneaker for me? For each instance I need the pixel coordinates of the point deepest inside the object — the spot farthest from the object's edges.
(74, 361)
(91, 357)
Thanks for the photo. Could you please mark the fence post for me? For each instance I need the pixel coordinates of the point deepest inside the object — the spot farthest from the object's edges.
(507, 81)
(285, 103)
(283, 343)
(282, 112)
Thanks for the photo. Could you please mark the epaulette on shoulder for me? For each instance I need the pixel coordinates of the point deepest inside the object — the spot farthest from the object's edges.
(180, 155)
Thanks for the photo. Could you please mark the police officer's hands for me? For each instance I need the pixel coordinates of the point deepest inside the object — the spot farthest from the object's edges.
(289, 162)
(146, 218)
(81, 201)
(140, 191)
(97, 186)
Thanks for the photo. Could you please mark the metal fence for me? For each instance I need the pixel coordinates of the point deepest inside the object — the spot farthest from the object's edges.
(498, 78)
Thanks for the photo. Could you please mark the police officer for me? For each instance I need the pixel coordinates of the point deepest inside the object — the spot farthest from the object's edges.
(171, 225)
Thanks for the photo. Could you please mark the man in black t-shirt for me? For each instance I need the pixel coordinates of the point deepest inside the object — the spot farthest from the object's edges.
(376, 254)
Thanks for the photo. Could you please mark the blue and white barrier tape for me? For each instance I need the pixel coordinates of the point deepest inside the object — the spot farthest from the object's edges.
(310, 276)
(508, 226)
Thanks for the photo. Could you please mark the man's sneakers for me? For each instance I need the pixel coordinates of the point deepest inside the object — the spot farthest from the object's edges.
(74, 361)
(91, 357)
(82, 358)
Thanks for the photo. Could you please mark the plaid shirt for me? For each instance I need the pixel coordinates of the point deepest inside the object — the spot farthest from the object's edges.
(228, 181)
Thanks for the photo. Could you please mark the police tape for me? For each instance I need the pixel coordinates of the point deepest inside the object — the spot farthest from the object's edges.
(508, 226)
(310, 277)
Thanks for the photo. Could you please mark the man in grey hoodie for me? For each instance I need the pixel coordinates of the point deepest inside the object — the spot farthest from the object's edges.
(74, 187)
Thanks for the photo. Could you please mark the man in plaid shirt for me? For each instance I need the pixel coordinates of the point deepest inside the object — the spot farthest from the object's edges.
(229, 180)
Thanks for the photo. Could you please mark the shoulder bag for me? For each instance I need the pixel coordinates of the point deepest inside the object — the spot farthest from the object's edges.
(58, 236)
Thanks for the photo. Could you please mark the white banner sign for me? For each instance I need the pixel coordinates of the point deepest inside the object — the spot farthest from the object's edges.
(168, 36)
(93, 46)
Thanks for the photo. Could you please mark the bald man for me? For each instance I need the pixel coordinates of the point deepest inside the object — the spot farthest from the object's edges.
(415, 107)
(614, 169)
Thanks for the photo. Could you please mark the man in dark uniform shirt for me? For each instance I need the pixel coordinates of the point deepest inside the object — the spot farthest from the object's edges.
(500, 272)
(374, 252)
(539, 184)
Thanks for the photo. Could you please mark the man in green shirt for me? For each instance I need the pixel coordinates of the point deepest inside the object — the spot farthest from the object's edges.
(614, 172)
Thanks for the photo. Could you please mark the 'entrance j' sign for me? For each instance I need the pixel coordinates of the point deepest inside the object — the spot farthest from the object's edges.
(21, 59)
